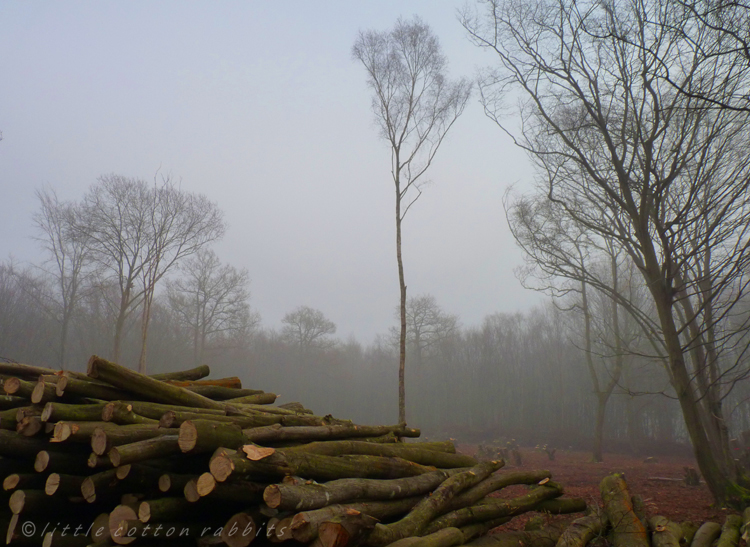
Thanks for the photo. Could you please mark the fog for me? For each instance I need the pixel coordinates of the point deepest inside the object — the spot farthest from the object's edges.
(260, 107)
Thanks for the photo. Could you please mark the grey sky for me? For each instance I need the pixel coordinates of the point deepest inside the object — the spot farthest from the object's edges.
(260, 106)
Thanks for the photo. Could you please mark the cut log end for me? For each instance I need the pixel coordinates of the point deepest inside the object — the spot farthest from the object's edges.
(42, 461)
(205, 484)
(221, 468)
(188, 436)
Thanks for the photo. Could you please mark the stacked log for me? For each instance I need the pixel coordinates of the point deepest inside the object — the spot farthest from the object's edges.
(115, 457)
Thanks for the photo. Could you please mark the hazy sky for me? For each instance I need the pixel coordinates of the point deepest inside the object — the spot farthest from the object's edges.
(260, 106)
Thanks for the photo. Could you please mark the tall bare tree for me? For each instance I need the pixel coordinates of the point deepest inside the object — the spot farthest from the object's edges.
(137, 232)
(67, 257)
(415, 104)
(633, 160)
(211, 299)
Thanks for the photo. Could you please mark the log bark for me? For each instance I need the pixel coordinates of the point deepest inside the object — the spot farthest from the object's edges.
(79, 432)
(706, 534)
(562, 506)
(157, 447)
(274, 434)
(123, 414)
(730, 532)
(411, 452)
(305, 525)
(103, 439)
(313, 466)
(494, 508)
(146, 386)
(43, 393)
(255, 399)
(305, 497)
(427, 509)
(494, 483)
(8, 402)
(201, 436)
(67, 385)
(664, 533)
(583, 530)
(627, 529)
(232, 384)
(56, 412)
(192, 374)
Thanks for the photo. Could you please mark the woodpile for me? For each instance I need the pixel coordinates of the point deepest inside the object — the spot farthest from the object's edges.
(114, 457)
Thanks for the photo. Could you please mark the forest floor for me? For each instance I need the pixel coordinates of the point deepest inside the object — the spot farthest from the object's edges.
(581, 477)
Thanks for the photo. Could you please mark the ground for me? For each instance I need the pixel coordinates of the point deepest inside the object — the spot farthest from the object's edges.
(581, 477)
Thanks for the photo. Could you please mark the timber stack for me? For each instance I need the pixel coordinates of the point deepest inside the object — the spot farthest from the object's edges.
(114, 457)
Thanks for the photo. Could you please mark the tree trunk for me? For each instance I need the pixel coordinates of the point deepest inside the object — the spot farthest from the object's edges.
(601, 412)
(402, 304)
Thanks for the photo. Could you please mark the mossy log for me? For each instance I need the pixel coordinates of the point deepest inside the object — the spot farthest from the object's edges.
(730, 532)
(305, 524)
(193, 374)
(582, 530)
(8, 402)
(220, 393)
(67, 386)
(431, 506)
(230, 383)
(255, 399)
(664, 533)
(627, 529)
(201, 436)
(23, 481)
(98, 481)
(494, 483)
(24, 371)
(411, 452)
(56, 412)
(706, 534)
(43, 392)
(18, 387)
(493, 508)
(103, 439)
(305, 497)
(275, 433)
(745, 529)
(145, 386)
(562, 506)
(314, 466)
(156, 447)
(123, 414)
(79, 432)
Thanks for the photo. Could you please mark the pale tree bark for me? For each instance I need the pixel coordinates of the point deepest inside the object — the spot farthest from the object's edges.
(415, 105)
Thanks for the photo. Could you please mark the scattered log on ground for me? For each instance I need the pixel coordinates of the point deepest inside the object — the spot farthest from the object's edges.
(627, 529)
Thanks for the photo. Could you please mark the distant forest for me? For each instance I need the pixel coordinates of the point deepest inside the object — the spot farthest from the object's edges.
(523, 375)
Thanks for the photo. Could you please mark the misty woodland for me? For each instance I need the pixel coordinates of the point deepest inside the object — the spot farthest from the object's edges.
(636, 117)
